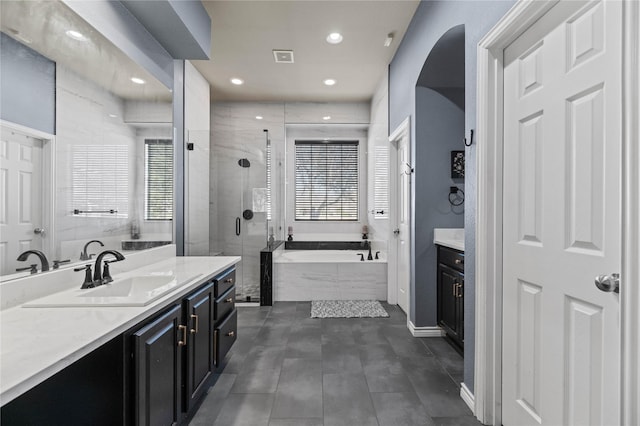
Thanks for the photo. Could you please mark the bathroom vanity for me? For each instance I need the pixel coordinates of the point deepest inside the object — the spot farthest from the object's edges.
(118, 364)
(450, 283)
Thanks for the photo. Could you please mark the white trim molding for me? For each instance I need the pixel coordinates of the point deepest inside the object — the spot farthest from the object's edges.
(630, 273)
(430, 331)
(467, 397)
(488, 354)
(403, 129)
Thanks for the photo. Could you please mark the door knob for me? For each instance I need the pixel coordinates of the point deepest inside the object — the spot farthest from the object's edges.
(608, 283)
(396, 231)
(39, 231)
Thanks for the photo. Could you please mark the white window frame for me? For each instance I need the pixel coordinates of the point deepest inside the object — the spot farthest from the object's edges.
(320, 143)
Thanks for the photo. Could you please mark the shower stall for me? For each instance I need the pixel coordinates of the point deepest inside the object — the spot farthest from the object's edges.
(244, 204)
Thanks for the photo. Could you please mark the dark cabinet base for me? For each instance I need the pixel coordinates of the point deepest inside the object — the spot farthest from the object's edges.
(451, 295)
(91, 391)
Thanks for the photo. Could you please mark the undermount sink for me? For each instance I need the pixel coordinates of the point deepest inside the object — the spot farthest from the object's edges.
(133, 291)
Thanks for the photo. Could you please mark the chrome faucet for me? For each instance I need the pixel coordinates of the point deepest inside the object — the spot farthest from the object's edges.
(41, 256)
(98, 278)
(84, 255)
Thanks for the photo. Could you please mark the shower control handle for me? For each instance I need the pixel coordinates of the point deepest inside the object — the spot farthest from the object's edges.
(237, 226)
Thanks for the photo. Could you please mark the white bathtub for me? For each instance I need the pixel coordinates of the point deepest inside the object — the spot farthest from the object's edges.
(303, 275)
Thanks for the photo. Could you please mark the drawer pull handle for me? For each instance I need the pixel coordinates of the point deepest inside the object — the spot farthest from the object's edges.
(229, 300)
(231, 333)
(229, 280)
(184, 335)
(458, 262)
(195, 319)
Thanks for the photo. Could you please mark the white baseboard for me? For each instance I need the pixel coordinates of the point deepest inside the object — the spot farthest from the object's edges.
(432, 331)
(468, 397)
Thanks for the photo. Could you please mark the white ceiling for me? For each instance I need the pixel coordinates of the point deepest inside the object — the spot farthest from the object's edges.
(41, 25)
(244, 33)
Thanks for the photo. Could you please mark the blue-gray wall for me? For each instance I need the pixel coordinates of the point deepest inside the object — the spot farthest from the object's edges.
(431, 20)
(439, 130)
(28, 86)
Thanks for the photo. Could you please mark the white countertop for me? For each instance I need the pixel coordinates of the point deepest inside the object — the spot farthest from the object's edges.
(449, 237)
(36, 343)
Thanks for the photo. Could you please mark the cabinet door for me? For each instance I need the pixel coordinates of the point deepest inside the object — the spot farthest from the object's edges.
(199, 309)
(158, 369)
(460, 309)
(447, 280)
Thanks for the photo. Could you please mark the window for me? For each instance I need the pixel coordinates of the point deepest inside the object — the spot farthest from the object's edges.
(326, 180)
(381, 183)
(100, 180)
(158, 179)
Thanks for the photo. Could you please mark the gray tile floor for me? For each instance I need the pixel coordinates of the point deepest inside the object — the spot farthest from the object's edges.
(287, 369)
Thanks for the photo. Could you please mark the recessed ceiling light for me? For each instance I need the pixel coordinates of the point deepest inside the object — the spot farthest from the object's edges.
(334, 38)
(137, 80)
(112, 115)
(258, 117)
(237, 81)
(329, 82)
(326, 117)
(76, 35)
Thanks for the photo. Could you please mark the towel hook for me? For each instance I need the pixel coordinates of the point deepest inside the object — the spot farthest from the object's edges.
(471, 141)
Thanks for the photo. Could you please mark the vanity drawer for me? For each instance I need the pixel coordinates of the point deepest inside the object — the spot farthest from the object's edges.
(224, 336)
(224, 304)
(451, 258)
(224, 283)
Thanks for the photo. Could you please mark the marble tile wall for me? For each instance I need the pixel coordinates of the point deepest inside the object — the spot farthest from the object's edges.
(83, 117)
(237, 134)
(197, 125)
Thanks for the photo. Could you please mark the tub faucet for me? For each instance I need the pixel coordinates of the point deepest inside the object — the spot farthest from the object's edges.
(84, 255)
(369, 257)
(41, 256)
(97, 271)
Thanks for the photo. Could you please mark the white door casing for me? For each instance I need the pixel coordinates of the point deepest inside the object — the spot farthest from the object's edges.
(399, 272)
(488, 359)
(21, 200)
(561, 218)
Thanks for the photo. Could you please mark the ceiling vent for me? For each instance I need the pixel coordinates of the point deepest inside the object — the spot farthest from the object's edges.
(283, 56)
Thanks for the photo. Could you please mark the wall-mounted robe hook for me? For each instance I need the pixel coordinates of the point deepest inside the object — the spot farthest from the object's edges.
(410, 169)
(471, 140)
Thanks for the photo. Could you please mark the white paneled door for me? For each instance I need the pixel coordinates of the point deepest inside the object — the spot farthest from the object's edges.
(562, 217)
(20, 199)
(402, 199)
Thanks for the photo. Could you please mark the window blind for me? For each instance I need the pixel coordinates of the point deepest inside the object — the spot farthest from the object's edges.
(381, 182)
(326, 180)
(100, 180)
(158, 179)
(269, 165)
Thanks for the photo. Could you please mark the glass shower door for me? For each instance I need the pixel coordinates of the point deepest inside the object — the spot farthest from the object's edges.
(240, 212)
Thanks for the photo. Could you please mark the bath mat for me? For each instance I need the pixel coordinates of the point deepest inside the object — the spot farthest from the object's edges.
(347, 309)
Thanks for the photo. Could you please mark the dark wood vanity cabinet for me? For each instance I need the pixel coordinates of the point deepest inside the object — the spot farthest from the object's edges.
(450, 283)
(154, 373)
(157, 350)
(199, 348)
(174, 355)
(225, 316)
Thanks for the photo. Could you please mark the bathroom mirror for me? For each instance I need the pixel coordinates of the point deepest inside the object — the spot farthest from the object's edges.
(107, 165)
